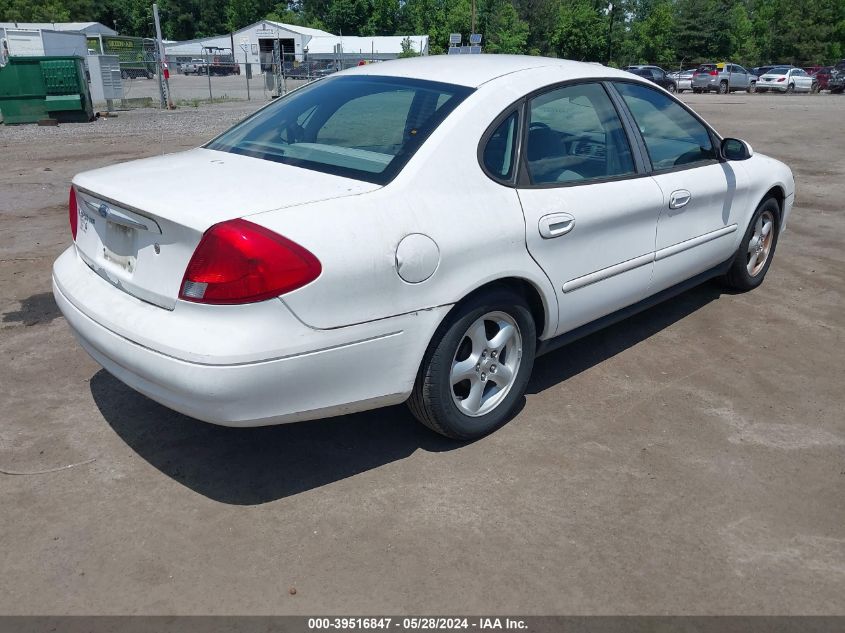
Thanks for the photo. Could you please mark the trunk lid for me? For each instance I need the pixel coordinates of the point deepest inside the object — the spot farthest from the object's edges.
(140, 222)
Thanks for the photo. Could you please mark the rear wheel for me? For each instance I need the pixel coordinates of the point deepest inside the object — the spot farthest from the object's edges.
(755, 253)
(790, 89)
(672, 87)
(477, 366)
(723, 87)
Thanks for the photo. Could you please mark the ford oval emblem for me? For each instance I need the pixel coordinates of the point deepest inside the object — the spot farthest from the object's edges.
(103, 210)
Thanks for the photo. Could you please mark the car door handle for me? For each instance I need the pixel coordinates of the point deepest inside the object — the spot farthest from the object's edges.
(556, 224)
(679, 198)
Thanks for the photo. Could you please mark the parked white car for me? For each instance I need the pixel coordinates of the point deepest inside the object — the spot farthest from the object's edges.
(787, 79)
(413, 230)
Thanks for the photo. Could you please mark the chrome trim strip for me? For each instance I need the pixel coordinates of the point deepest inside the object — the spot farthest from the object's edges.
(680, 247)
(610, 271)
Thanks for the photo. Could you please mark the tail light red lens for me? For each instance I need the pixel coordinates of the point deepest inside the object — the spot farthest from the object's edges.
(73, 212)
(714, 72)
(782, 79)
(241, 262)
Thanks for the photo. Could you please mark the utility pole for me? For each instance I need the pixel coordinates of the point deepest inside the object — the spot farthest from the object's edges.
(163, 84)
(472, 29)
(245, 48)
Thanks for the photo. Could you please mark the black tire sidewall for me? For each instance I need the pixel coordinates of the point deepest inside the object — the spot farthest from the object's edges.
(454, 422)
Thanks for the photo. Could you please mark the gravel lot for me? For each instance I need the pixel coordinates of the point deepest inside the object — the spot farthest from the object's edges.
(688, 461)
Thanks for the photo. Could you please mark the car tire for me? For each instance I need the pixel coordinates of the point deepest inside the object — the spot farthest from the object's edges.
(472, 407)
(672, 88)
(752, 87)
(723, 87)
(814, 88)
(790, 89)
(757, 248)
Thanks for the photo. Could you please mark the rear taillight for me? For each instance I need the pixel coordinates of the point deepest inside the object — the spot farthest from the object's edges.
(782, 79)
(714, 72)
(72, 212)
(241, 262)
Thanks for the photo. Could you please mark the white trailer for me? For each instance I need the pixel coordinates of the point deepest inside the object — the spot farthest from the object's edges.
(44, 42)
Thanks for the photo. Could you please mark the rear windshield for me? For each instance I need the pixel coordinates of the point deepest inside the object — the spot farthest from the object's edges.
(778, 71)
(706, 68)
(361, 127)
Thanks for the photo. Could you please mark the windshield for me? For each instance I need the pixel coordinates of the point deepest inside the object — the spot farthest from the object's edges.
(361, 127)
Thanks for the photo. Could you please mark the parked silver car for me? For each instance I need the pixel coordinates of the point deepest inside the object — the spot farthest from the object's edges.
(722, 77)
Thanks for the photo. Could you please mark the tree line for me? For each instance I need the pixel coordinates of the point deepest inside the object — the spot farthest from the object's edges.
(666, 32)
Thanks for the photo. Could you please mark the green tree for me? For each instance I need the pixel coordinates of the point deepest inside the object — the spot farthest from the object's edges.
(347, 16)
(384, 17)
(503, 30)
(652, 38)
(241, 13)
(580, 31)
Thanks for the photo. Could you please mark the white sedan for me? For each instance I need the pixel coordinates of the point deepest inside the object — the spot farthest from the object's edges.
(417, 230)
(787, 79)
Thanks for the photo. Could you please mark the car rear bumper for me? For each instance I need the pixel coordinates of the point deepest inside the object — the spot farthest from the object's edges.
(321, 373)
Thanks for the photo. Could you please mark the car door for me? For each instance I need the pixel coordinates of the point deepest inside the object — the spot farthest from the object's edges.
(702, 195)
(590, 209)
(739, 77)
(803, 81)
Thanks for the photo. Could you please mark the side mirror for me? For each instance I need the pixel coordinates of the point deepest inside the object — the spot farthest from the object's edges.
(736, 149)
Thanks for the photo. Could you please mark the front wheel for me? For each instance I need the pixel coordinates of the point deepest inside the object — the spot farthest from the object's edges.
(752, 87)
(477, 366)
(672, 88)
(755, 253)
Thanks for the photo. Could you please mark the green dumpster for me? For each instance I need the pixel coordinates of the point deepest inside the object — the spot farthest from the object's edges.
(35, 88)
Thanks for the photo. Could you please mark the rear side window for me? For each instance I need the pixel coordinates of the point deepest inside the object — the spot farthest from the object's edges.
(500, 149)
(574, 134)
(673, 136)
(362, 127)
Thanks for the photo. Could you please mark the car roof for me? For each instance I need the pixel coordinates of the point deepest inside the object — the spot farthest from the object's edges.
(475, 70)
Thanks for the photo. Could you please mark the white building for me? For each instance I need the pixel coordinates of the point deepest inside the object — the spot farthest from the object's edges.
(377, 47)
(254, 44)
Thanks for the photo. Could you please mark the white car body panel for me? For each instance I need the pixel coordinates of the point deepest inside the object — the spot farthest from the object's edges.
(614, 223)
(360, 327)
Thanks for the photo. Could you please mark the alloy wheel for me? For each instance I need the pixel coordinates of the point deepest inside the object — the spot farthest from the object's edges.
(486, 363)
(760, 244)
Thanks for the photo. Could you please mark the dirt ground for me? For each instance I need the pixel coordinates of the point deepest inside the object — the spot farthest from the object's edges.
(690, 460)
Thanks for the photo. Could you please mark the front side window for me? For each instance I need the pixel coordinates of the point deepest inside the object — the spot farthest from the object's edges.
(363, 127)
(574, 134)
(500, 149)
(673, 136)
